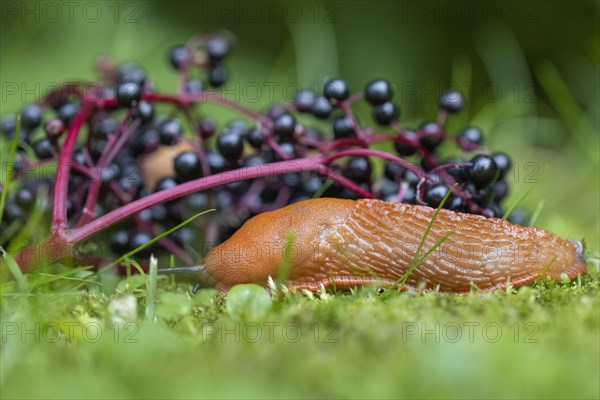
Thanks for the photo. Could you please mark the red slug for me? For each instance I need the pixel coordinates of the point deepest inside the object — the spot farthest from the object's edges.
(346, 243)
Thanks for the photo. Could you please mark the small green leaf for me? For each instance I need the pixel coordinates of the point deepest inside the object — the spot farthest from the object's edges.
(173, 305)
(248, 302)
(133, 282)
(204, 296)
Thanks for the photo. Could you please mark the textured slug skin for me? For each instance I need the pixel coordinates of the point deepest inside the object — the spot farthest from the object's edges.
(346, 243)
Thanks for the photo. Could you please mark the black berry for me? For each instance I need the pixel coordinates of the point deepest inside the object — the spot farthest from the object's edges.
(165, 183)
(216, 162)
(127, 93)
(471, 136)
(287, 148)
(358, 169)
(321, 108)
(105, 127)
(8, 125)
(179, 57)
(519, 217)
(284, 126)
(31, 116)
(385, 113)
(393, 171)
(119, 242)
(406, 146)
(503, 162)
(159, 213)
(336, 89)
(217, 75)
(170, 131)
(131, 72)
(304, 100)
(255, 137)
(434, 194)
(12, 212)
(342, 127)
(217, 48)
(207, 128)
(187, 166)
(67, 112)
(484, 170)
(144, 141)
(54, 129)
(230, 145)
(500, 189)
(431, 135)
(452, 101)
(43, 149)
(144, 111)
(193, 86)
(139, 239)
(378, 92)
(25, 198)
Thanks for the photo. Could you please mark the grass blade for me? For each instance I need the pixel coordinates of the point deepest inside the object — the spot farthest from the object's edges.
(322, 189)
(515, 204)
(16, 272)
(537, 212)
(416, 261)
(69, 278)
(10, 166)
(432, 249)
(151, 288)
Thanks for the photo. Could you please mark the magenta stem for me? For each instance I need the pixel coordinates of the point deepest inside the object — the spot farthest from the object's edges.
(360, 134)
(376, 153)
(313, 163)
(59, 216)
(122, 135)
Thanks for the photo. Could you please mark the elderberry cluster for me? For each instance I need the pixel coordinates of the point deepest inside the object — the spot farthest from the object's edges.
(126, 150)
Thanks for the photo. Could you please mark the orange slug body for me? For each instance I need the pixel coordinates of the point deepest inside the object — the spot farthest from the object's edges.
(347, 243)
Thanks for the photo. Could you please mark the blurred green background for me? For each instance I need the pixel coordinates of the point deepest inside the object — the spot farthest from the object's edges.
(530, 72)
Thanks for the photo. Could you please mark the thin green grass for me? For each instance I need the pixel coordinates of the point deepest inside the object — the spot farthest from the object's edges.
(547, 267)
(151, 283)
(538, 211)
(417, 261)
(10, 231)
(31, 230)
(519, 200)
(22, 285)
(9, 166)
(322, 189)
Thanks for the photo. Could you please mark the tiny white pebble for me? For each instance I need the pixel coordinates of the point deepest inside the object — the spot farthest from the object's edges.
(123, 309)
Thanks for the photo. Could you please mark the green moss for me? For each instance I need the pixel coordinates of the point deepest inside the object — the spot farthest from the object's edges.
(539, 342)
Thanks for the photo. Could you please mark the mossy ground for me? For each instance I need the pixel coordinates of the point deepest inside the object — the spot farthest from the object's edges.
(539, 342)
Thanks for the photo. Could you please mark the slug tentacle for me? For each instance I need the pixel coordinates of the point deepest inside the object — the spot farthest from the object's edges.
(346, 243)
(191, 271)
